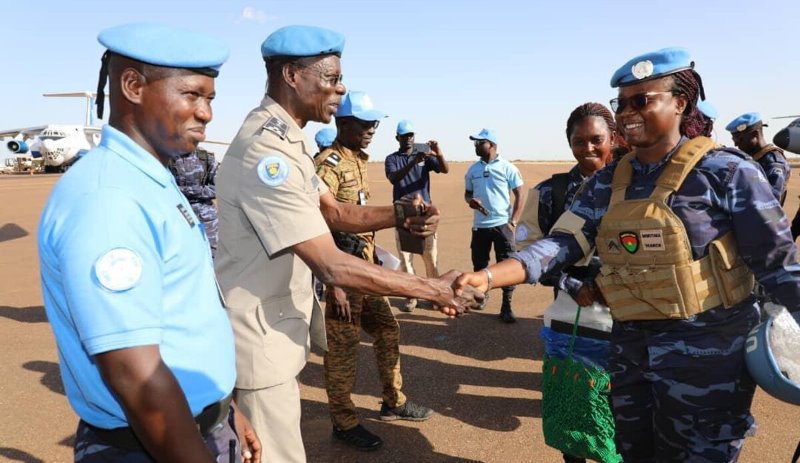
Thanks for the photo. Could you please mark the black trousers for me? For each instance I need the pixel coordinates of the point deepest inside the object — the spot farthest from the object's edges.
(482, 239)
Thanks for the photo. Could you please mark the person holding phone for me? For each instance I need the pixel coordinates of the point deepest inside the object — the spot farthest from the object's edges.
(409, 170)
(487, 184)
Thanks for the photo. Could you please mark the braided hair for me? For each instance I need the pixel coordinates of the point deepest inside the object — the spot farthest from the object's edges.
(689, 83)
(597, 110)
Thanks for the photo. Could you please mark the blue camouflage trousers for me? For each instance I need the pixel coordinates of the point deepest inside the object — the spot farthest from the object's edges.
(207, 213)
(680, 389)
(90, 448)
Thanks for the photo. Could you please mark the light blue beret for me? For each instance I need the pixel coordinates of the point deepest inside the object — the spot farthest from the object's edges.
(743, 122)
(405, 127)
(166, 46)
(359, 105)
(302, 41)
(485, 134)
(652, 66)
(325, 137)
(707, 109)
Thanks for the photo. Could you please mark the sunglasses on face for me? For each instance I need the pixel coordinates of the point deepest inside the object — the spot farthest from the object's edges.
(479, 142)
(366, 125)
(636, 102)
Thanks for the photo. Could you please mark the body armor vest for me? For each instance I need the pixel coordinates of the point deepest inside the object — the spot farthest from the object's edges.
(648, 271)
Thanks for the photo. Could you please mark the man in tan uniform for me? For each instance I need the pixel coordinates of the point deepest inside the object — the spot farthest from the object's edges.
(343, 168)
(272, 231)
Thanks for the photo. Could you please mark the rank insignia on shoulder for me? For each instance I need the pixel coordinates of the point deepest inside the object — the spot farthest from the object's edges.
(276, 126)
(186, 214)
(332, 160)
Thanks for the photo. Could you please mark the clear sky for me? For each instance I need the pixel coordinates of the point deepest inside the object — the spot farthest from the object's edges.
(452, 67)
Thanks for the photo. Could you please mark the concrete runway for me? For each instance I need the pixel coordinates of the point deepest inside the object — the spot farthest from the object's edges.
(481, 376)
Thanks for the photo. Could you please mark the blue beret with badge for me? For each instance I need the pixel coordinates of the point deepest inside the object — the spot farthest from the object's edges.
(744, 122)
(160, 46)
(302, 41)
(325, 137)
(707, 109)
(485, 134)
(652, 65)
(359, 105)
(405, 127)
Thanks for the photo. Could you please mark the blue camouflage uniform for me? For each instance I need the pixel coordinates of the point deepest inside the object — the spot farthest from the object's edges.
(680, 389)
(195, 178)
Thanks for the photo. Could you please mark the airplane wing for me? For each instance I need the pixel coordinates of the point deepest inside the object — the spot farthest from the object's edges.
(25, 132)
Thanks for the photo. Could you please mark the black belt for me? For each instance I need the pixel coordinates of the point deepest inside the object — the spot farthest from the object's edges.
(125, 438)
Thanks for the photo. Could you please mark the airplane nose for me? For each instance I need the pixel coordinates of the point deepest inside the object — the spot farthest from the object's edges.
(47, 145)
(781, 139)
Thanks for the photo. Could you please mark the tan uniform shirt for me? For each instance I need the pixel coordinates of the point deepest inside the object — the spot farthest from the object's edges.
(268, 196)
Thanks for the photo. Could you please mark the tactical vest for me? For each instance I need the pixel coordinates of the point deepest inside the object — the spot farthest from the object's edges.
(648, 272)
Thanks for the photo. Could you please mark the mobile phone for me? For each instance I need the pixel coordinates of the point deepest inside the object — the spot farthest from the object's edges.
(422, 148)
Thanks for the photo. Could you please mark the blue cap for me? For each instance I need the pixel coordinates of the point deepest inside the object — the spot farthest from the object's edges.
(744, 122)
(652, 66)
(325, 137)
(707, 109)
(405, 127)
(485, 134)
(302, 41)
(166, 46)
(359, 105)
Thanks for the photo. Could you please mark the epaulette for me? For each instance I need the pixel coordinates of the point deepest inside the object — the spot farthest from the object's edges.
(276, 126)
(332, 160)
(328, 157)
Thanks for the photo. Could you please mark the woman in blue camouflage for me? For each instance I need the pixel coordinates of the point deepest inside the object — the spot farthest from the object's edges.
(681, 227)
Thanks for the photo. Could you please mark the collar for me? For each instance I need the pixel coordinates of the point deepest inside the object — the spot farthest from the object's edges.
(347, 152)
(122, 145)
(645, 169)
(294, 133)
(575, 174)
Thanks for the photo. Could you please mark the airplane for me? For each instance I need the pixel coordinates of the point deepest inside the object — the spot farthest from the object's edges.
(788, 138)
(59, 145)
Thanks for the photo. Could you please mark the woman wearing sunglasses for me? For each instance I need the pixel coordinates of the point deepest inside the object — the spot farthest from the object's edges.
(681, 226)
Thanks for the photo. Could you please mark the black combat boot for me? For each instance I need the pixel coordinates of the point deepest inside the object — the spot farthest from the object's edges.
(358, 437)
(505, 309)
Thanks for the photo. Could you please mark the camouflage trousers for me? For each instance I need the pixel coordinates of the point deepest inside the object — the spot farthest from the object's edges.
(91, 448)
(680, 388)
(207, 213)
(374, 315)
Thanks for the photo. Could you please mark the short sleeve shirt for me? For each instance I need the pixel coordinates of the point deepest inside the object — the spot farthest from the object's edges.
(418, 179)
(125, 263)
(268, 197)
(491, 182)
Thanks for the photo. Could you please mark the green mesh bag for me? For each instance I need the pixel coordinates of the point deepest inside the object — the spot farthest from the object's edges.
(576, 415)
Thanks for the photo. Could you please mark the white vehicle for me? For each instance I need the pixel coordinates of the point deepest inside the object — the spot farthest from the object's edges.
(58, 145)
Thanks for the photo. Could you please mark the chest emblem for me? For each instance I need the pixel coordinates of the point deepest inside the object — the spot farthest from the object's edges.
(653, 240)
(613, 247)
(272, 171)
(629, 241)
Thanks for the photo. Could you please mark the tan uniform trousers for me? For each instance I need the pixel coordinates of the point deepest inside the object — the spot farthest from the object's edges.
(274, 413)
(374, 315)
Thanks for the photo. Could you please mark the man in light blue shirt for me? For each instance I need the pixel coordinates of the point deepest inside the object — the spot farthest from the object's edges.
(145, 347)
(487, 186)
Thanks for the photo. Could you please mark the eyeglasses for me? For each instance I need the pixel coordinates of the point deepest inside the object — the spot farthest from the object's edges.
(480, 142)
(366, 125)
(330, 80)
(637, 102)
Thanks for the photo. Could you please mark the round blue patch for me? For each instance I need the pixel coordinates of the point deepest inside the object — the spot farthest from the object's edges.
(522, 232)
(272, 170)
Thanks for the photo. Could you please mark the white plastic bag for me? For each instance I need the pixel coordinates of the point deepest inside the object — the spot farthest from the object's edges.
(784, 339)
(564, 308)
(388, 260)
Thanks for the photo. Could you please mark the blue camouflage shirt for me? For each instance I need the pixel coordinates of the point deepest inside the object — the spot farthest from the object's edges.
(777, 169)
(725, 192)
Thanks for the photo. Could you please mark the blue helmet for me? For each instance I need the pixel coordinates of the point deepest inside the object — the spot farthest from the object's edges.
(763, 367)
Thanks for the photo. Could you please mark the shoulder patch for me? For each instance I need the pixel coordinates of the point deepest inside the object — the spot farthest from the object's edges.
(272, 170)
(332, 160)
(118, 269)
(276, 126)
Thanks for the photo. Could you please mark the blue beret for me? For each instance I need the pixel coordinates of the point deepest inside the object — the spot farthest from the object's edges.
(707, 109)
(743, 122)
(325, 137)
(302, 41)
(485, 134)
(358, 105)
(652, 66)
(405, 127)
(165, 46)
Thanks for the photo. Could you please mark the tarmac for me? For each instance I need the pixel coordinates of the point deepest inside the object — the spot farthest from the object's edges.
(482, 377)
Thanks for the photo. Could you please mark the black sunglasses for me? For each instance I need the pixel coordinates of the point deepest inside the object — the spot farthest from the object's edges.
(636, 102)
(365, 125)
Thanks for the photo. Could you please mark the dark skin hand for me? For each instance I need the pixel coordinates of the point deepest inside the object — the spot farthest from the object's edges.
(334, 267)
(154, 404)
(249, 441)
(352, 218)
(337, 305)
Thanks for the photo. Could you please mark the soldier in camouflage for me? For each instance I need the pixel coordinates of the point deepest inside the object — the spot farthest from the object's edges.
(680, 388)
(343, 167)
(194, 174)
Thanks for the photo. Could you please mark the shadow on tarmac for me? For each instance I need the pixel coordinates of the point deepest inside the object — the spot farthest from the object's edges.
(18, 455)
(32, 314)
(52, 376)
(12, 231)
